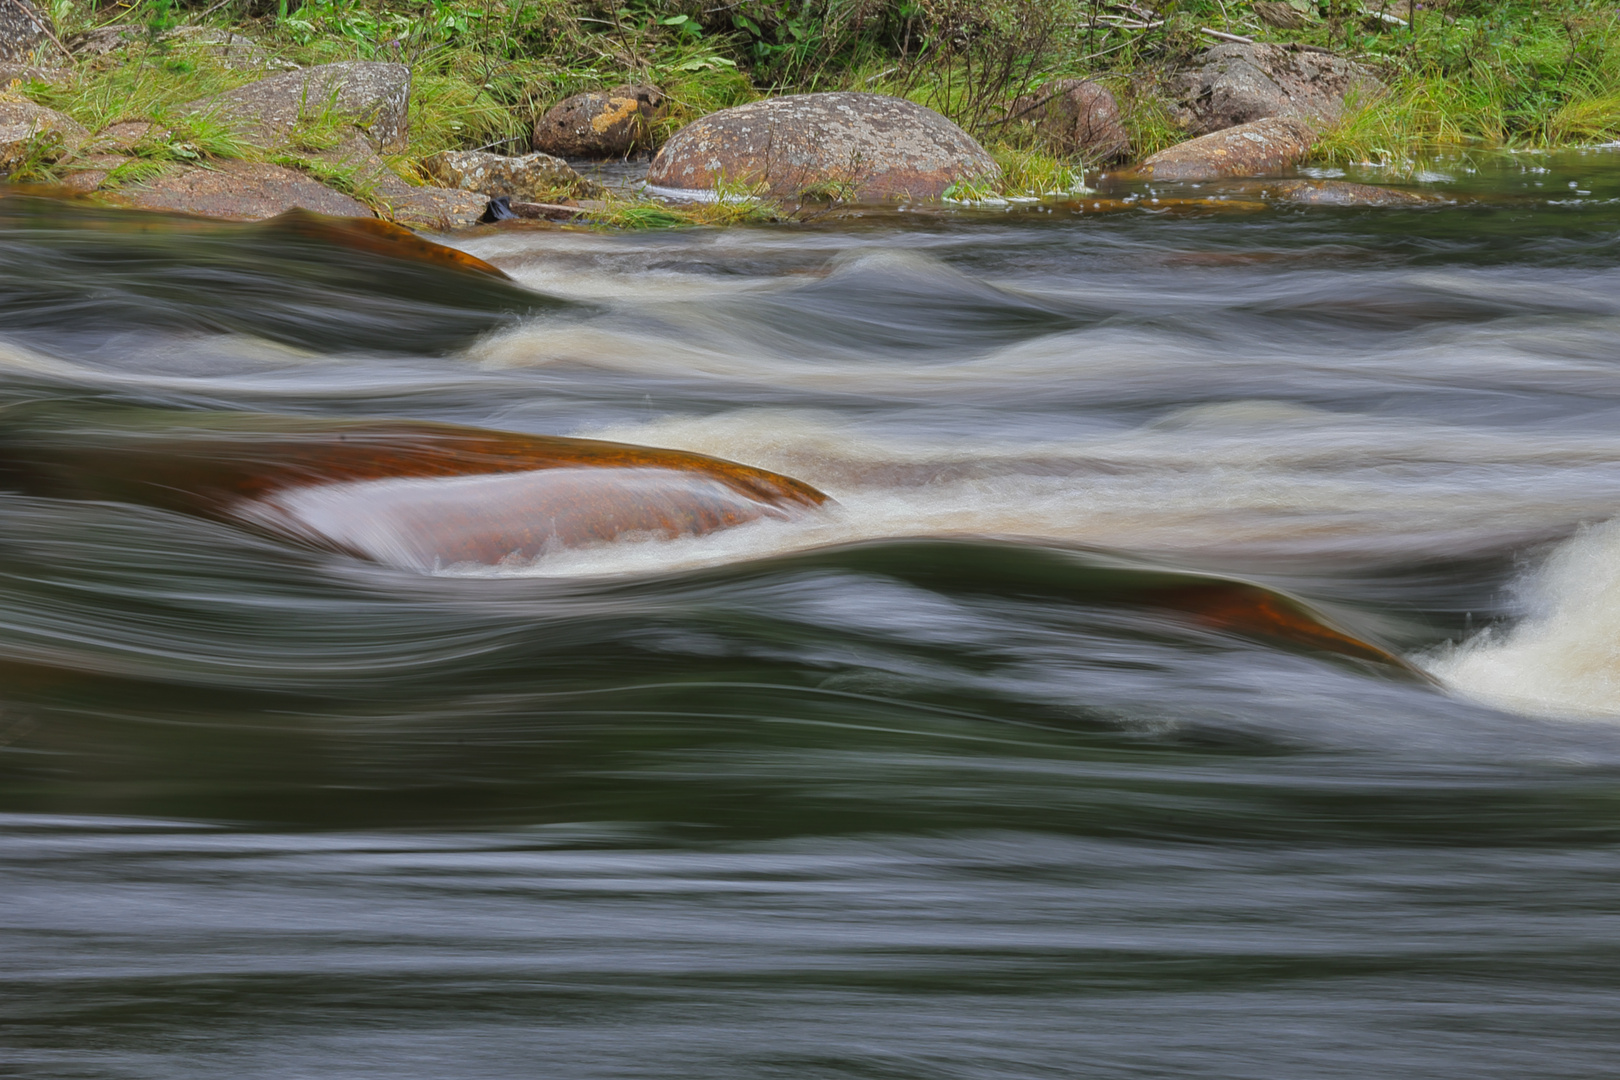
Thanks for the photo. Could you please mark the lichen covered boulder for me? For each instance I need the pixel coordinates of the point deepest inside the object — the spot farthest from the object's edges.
(600, 124)
(1264, 148)
(532, 176)
(858, 147)
(374, 97)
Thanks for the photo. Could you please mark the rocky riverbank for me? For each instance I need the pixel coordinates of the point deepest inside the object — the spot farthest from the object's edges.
(263, 134)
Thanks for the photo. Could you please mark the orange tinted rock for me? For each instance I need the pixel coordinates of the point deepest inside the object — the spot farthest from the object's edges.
(867, 147)
(1263, 148)
(599, 123)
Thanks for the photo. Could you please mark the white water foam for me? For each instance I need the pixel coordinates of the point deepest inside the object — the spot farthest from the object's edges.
(1563, 658)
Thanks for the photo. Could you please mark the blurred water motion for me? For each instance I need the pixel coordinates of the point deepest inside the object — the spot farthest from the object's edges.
(918, 785)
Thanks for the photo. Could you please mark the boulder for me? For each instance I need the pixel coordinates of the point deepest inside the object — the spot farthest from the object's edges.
(600, 124)
(1343, 193)
(1236, 83)
(375, 97)
(239, 190)
(532, 176)
(439, 209)
(23, 28)
(1075, 116)
(1263, 148)
(100, 40)
(857, 146)
(22, 126)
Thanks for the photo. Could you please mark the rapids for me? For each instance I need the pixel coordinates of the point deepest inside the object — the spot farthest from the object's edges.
(922, 783)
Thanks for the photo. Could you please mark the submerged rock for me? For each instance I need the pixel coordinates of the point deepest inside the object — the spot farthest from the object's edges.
(532, 176)
(1236, 83)
(23, 28)
(852, 146)
(1075, 116)
(1265, 147)
(600, 123)
(238, 190)
(1343, 193)
(414, 494)
(373, 97)
(28, 130)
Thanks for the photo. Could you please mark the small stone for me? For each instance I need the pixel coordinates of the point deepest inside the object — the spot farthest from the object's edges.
(600, 124)
(375, 97)
(23, 29)
(237, 190)
(1263, 148)
(530, 177)
(23, 126)
(1235, 83)
(863, 147)
(1075, 116)
(1280, 13)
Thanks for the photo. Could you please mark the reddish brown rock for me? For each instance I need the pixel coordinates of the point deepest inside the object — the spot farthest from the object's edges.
(415, 494)
(1075, 116)
(1263, 148)
(862, 147)
(600, 124)
(237, 190)
(1239, 83)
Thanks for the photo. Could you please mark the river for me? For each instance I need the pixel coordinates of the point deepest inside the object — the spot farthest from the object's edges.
(885, 791)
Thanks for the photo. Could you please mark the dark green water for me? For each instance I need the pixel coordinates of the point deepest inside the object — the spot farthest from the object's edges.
(897, 791)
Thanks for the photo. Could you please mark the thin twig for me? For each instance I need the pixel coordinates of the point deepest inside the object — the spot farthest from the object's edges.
(1239, 38)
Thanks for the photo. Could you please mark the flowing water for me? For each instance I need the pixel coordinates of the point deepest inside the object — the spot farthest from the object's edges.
(891, 790)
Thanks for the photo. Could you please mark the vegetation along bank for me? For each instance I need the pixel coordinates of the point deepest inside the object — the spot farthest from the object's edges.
(420, 111)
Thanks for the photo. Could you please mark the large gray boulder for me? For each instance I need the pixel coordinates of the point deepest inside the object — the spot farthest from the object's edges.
(1237, 83)
(374, 97)
(23, 28)
(855, 146)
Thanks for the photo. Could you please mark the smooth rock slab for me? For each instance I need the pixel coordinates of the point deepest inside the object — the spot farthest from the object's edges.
(373, 97)
(1237, 84)
(237, 190)
(601, 123)
(532, 176)
(1263, 148)
(857, 147)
